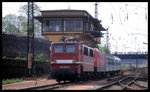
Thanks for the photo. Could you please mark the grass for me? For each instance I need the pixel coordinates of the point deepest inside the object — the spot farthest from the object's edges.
(125, 67)
(9, 81)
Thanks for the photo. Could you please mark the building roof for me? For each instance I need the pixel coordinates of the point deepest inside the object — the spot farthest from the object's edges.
(64, 10)
(88, 16)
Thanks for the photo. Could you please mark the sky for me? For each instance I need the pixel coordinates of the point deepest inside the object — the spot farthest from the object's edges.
(127, 22)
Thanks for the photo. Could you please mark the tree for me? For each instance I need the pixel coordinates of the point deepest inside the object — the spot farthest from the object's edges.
(40, 58)
(24, 12)
(10, 28)
(14, 24)
(18, 24)
(21, 26)
(9, 23)
(104, 49)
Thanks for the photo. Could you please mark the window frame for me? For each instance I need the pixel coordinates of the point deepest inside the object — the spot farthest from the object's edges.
(62, 48)
(73, 25)
(85, 52)
(46, 28)
(91, 53)
(70, 45)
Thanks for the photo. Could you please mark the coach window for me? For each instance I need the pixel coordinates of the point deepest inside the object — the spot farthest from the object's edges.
(111, 61)
(91, 53)
(108, 61)
(58, 48)
(85, 51)
(70, 48)
(115, 62)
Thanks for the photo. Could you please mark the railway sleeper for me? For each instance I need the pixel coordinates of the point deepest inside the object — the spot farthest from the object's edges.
(139, 85)
(127, 87)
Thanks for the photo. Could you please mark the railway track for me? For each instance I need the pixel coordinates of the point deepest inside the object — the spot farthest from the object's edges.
(48, 87)
(126, 82)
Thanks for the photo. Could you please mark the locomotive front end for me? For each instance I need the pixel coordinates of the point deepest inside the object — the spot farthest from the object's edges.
(64, 61)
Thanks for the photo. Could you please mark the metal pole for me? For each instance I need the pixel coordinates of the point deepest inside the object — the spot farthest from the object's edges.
(96, 11)
(107, 40)
(30, 46)
(33, 39)
(29, 70)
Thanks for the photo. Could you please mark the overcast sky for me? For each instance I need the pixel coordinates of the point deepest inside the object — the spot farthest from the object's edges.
(127, 21)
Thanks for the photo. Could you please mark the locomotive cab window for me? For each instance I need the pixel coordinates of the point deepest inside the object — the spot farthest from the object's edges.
(70, 48)
(58, 48)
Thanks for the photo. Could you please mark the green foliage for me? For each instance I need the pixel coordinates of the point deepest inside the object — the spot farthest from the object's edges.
(40, 58)
(4, 57)
(104, 49)
(123, 67)
(9, 23)
(12, 23)
(24, 10)
(19, 58)
(9, 81)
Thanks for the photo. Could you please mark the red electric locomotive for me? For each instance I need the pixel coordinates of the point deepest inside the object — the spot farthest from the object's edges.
(76, 61)
(65, 61)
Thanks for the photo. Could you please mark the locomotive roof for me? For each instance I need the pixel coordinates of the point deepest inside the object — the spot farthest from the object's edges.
(66, 42)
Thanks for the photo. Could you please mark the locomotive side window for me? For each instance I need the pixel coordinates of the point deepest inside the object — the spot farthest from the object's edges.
(85, 51)
(70, 48)
(80, 49)
(91, 53)
(58, 48)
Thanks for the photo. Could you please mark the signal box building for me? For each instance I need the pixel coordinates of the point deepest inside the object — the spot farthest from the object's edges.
(57, 24)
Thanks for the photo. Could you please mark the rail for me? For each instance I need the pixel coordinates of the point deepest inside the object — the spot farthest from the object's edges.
(131, 79)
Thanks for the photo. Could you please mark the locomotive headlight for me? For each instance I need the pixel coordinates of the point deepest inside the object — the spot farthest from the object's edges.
(54, 61)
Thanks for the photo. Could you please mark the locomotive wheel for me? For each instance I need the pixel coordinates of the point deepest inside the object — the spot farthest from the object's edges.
(58, 81)
(64, 81)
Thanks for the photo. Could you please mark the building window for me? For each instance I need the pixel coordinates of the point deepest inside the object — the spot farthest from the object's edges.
(86, 26)
(52, 25)
(45, 25)
(91, 27)
(73, 25)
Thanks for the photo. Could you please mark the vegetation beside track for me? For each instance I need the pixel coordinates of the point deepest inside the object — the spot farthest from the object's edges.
(38, 58)
(9, 81)
(123, 67)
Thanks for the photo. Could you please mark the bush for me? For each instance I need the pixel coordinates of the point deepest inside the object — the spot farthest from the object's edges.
(40, 58)
(8, 81)
(123, 67)
(104, 49)
(4, 57)
(19, 58)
